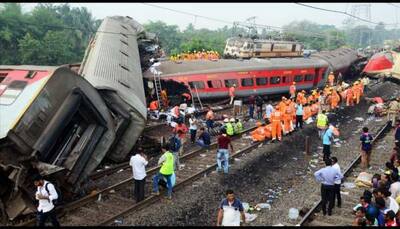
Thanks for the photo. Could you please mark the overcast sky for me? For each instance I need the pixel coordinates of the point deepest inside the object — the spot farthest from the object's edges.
(273, 14)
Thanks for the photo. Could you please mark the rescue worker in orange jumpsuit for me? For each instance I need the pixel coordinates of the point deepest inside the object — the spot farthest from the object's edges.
(331, 79)
(357, 92)
(258, 135)
(268, 130)
(276, 119)
(232, 93)
(314, 108)
(164, 98)
(307, 112)
(335, 100)
(350, 97)
(292, 90)
(287, 118)
(282, 104)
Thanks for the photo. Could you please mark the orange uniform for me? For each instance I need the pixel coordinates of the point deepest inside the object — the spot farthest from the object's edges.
(335, 100)
(350, 97)
(292, 91)
(258, 135)
(276, 118)
(331, 79)
(357, 93)
(282, 105)
(287, 119)
(314, 109)
(153, 105)
(210, 115)
(232, 91)
(164, 98)
(268, 131)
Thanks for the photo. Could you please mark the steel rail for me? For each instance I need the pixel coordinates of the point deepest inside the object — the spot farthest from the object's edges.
(346, 172)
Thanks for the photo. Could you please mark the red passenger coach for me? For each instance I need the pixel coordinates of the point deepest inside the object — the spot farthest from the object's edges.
(212, 79)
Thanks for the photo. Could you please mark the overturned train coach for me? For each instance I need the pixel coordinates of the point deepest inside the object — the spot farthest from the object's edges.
(212, 79)
(62, 125)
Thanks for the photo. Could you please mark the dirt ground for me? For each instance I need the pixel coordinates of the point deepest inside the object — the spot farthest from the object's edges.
(280, 174)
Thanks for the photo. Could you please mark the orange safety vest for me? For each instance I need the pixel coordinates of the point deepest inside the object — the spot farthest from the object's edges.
(276, 116)
(153, 105)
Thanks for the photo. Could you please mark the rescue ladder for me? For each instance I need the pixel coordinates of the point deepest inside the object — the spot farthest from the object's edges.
(194, 98)
(157, 86)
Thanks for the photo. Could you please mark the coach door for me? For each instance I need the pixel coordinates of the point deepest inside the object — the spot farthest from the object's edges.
(317, 77)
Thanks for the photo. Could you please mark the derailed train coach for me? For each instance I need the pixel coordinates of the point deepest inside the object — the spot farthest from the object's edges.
(62, 122)
(212, 79)
(52, 122)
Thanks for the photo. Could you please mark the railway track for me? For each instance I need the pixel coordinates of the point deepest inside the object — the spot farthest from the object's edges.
(340, 217)
(110, 203)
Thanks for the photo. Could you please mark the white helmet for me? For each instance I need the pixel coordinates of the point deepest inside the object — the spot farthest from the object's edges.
(226, 120)
(232, 120)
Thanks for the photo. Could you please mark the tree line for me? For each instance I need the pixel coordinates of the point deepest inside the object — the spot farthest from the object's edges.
(59, 34)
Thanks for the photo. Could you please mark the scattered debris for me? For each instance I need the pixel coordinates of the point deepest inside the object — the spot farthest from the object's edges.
(293, 213)
(294, 158)
(349, 185)
(120, 170)
(344, 193)
(360, 119)
(250, 217)
(112, 191)
(262, 206)
(202, 155)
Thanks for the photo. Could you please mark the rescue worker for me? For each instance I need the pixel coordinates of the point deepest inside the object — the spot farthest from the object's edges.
(230, 131)
(335, 100)
(350, 97)
(307, 112)
(238, 128)
(164, 98)
(282, 104)
(182, 136)
(153, 105)
(232, 93)
(268, 130)
(312, 97)
(287, 119)
(167, 169)
(314, 108)
(331, 79)
(276, 119)
(292, 90)
(258, 134)
(175, 113)
(322, 123)
(357, 92)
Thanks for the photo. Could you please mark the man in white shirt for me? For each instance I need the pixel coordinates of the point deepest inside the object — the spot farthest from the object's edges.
(337, 182)
(138, 163)
(395, 186)
(45, 193)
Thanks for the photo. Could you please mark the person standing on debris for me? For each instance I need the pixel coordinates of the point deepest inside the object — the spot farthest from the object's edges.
(232, 93)
(252, 102)
(46, 193)
(299, 116)
(230, 211)
(223, 152)
(322, 123)
(337, 183)
(331, 79)
(393, 111)
(366, 147)
(327, 176)
(204, 138)
(167, 170)
(350, 97)
(193, 128)
(138, 163)
(292, 90)
(182, 135)
(259, 102)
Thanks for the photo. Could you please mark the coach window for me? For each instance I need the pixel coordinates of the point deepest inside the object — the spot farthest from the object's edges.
(231, 82)
(214, 83)
(275, 80)
(248, 82)
(298, 78)
(309, 77)
(12, 92)
(261, 81)
(197, 84)
(285, 79)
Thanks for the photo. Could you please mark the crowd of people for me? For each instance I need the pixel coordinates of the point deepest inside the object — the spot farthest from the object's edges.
(196, 55)
(379, 205)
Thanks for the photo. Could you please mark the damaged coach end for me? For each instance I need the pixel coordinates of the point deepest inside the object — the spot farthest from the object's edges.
(112, 65)
(52, 122)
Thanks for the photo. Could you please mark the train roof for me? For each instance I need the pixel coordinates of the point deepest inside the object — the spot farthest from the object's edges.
(171, 68)
(112, 61)
(28, 67)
